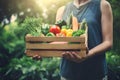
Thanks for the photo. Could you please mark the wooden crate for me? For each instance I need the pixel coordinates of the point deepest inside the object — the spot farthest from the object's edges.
(55, 46)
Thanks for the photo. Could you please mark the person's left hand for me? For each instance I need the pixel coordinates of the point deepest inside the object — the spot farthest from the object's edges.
(73, 56)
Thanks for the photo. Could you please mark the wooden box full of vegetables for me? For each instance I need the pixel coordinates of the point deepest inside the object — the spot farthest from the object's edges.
(53, 40)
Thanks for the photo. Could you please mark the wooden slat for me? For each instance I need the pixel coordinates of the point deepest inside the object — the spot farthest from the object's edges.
(50, 53)
(55, 46)
(49, 39)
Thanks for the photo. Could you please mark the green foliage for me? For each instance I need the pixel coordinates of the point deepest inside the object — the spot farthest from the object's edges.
(10, 42)
(113, 61)
(113, 57)
(116, 16)
(14, 65)
(27, 68)
(32, 26)
(11, 46)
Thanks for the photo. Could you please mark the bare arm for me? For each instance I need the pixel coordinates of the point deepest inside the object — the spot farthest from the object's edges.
(107, 29)
(107, 34)
(60, 13)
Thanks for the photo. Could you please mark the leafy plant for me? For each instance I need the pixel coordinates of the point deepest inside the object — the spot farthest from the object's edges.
(113, 61)
(32, 26)
(13, 64)
(26, 68)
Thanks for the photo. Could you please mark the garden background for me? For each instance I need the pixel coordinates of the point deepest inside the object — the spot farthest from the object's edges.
(15, 16)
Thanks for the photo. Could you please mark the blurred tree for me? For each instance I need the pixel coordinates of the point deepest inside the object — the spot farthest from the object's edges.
(116, 15)
(22, 8)
(37, 8)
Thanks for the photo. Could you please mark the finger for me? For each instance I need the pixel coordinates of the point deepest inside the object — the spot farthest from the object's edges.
(40, 57)
(71, 56)
(37, 57)
(63, 54)
(66, 54)
(34, 56)
(87, 50)
(77, 57)
(75, 54)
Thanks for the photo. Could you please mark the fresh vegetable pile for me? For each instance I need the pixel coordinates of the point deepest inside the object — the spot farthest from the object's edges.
(68, 28)
(51, 37)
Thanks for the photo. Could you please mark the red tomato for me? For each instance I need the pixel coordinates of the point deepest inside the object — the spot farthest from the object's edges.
(55, 29)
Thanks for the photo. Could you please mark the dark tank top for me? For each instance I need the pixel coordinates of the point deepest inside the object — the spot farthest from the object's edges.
(93, 68)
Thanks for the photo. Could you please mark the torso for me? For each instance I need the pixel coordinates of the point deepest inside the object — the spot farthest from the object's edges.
(92, 13)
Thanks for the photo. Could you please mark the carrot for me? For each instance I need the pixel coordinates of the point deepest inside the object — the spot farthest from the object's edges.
(75, 23)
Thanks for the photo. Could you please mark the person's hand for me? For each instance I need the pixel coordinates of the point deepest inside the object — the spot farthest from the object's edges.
(37, 57)
(73, 56)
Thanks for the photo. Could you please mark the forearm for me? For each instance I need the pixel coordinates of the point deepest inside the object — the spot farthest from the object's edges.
(107, 30)
(100, 48)
(60, 13)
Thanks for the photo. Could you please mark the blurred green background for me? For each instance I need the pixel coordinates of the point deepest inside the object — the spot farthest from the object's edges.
(15, 15)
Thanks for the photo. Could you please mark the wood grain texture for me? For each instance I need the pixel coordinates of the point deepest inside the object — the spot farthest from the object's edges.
(49, 39)
(55, 46)
(50, 53)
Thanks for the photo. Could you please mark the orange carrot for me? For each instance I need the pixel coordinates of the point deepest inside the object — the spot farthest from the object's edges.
(75, 23)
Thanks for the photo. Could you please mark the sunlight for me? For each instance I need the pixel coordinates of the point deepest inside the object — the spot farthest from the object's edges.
(45, 4)
(49, 8)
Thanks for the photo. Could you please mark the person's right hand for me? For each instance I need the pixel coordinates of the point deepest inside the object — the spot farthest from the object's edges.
(37, 57)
